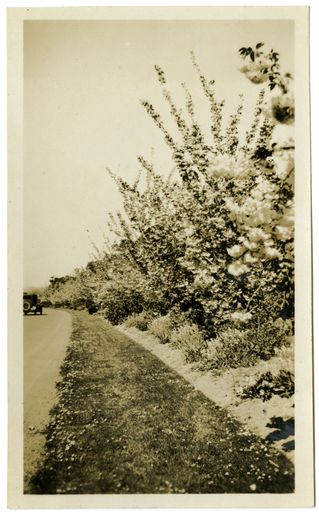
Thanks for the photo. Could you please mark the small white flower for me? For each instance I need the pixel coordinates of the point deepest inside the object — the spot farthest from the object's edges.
(283, 232)
(272, 253)
(288, 217)
(257, 234)
(252, 246)
(236, 269)
(256, 77)
(236, 251)
(229, 166)
(189, 231)
(254, 70)
(269, 243)
(241, 316)
(248, 258)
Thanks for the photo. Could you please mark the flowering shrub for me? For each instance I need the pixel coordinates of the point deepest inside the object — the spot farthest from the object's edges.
(217, 239)
(162, 328)
(141, 321)
(190, 340)
(236, 347)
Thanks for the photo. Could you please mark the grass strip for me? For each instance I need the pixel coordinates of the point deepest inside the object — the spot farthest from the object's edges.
(126, 423)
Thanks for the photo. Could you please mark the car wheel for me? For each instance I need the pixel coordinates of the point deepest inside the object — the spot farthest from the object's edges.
(26, 307)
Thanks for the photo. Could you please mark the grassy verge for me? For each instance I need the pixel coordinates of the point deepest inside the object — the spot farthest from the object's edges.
(126, 423)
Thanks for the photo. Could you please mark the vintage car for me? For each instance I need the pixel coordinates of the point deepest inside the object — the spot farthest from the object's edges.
(31, 304)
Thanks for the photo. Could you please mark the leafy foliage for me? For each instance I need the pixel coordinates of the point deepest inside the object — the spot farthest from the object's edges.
(269, 385)
(263, 67)
(190, 340)
(235, 347)
(141, 321)
(162, 328)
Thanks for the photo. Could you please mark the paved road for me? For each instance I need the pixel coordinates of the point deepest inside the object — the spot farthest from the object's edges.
(45, 341)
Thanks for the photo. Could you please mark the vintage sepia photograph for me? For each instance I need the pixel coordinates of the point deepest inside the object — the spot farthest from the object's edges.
(164, 223)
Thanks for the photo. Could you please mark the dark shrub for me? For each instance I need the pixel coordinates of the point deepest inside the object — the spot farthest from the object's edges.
(120, 303)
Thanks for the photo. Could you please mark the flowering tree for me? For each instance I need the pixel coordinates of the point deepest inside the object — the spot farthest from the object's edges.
(214, 239)
(266, 217)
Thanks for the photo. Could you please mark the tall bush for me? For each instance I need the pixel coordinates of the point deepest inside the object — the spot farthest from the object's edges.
(216, 239)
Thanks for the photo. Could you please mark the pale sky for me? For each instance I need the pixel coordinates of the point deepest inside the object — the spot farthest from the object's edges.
(83, 81)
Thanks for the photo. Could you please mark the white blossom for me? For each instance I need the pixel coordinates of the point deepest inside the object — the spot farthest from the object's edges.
(249, 258)
(236, 251)
(283, 108)
(272, 253)
(257, 234)
(254, 70)
(283, 232)
(230, 166)
(241, 316)
(237, 268)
